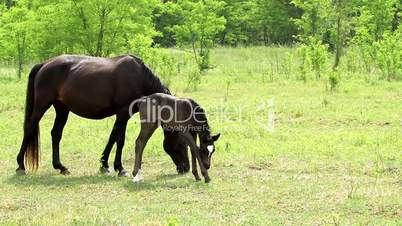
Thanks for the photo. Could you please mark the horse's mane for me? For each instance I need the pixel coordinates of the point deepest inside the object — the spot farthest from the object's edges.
(202, 118)
(154, 80)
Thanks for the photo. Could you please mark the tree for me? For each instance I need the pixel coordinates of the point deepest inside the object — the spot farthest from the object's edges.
(341, 15)
(42, 29)
(200, 25)
(313, 22)
(329, 21)
(15, 34)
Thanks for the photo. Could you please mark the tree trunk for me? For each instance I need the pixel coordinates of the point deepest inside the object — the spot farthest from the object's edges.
(338, 44)
(314, 19)
(86, 42)
(99, 45)
(9, 4)
(20, 52)
(110, 45)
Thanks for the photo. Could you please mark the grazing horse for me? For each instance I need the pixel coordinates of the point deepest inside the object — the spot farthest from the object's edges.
(179, 115)
(94, 88)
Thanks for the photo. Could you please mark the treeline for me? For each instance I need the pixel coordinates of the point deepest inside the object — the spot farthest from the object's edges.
(39, 29)
(257, 22)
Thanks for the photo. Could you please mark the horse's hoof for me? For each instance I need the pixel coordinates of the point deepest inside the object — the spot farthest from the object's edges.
(123, 173)
(207, 180)
(197, 179)
(65, 172)
(104, 170)
(138, 179)
(21, 172)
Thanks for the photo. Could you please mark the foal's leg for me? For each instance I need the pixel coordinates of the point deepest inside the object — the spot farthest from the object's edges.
(57, 131)
(195, 151)
(194, 167)
(194, 161)
(147, 129)
(106, 152)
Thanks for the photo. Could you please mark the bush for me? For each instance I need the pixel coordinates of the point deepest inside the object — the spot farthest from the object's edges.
(388, 55)
(193, 80)
(333, 81)
(314, 56)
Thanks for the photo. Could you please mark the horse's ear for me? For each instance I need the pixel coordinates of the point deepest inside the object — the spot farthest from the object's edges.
(216, 137)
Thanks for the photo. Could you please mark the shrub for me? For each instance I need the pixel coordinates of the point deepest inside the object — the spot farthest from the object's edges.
(314, 56)
(388, 55)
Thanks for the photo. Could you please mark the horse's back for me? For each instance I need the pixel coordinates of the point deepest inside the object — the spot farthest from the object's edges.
(91, 87)
(172, 111)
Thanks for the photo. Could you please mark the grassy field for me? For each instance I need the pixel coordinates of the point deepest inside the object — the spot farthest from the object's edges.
(333, 158)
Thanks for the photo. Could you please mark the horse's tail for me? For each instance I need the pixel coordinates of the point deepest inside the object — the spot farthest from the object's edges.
(32, 151)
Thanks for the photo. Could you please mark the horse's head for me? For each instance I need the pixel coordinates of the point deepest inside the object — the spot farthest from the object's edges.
(176, 147)
(207, 148)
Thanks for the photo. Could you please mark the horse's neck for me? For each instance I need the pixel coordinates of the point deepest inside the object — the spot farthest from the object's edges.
(155, 86)
(204, 133)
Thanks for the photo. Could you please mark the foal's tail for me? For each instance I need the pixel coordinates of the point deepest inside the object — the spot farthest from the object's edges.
(32, 151)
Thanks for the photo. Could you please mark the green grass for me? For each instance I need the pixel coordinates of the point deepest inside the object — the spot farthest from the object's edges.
(333, 158)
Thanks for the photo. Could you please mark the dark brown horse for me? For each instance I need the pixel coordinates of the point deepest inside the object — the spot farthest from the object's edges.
(93, 88)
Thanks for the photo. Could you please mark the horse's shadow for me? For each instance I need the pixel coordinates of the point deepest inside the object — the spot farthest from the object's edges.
(59, 180)
(163, 181)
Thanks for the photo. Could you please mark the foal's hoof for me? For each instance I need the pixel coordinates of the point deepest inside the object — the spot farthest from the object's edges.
(123, 173)
(20, 172)
(138, 179)
(104, 170)
(65, 172)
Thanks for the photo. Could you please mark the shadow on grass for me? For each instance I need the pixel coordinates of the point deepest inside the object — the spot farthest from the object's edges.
(59, 180)
(164, 181)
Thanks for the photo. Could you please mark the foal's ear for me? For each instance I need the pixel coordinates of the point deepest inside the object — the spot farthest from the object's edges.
(216, 137)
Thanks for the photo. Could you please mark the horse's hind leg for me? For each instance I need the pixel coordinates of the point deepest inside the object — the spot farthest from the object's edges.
(147, 129)
(31, 138)
(57, 131)
(106, 152)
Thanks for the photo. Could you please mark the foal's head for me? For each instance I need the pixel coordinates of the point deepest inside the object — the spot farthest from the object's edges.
(207, 148)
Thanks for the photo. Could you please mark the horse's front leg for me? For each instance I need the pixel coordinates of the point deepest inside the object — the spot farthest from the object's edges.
(194, 167)
(120, 138)
(195, 153)
(194, 160)
(147, 129)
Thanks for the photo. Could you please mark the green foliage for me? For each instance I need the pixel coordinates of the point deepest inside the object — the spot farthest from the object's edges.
(98, 28)
(258, 22)
(388, 54)
(314, 19)
(16, 36)
(200, 25)
(172, 222)
(314, 56)
(193, 80)
(333, 80)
